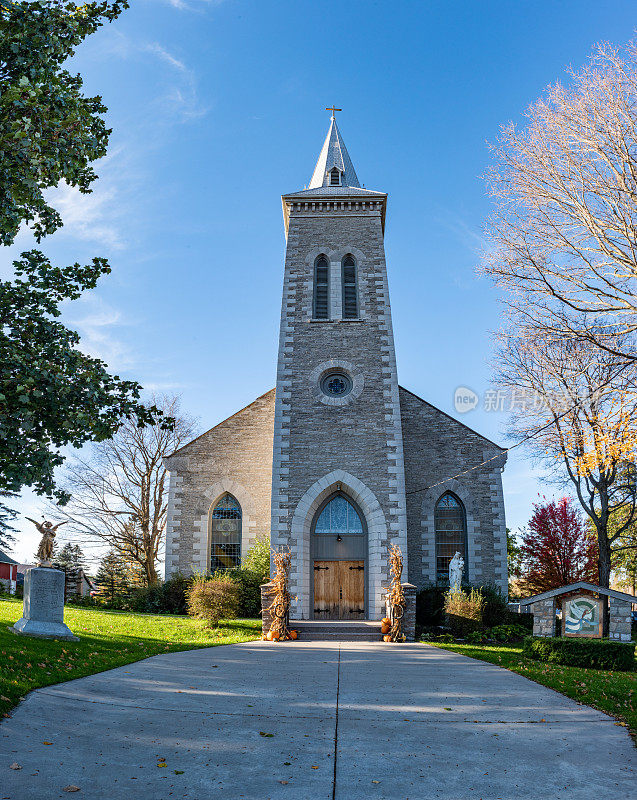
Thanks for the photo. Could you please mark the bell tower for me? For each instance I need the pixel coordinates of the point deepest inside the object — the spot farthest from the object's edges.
(338, 485)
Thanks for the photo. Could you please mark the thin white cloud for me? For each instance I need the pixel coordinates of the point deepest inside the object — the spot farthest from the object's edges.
(97, 323)
(181, 5)
(90, 217)
(163, 54)
(180, 98)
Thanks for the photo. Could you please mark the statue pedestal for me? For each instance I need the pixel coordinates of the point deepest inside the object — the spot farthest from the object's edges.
(43, 612)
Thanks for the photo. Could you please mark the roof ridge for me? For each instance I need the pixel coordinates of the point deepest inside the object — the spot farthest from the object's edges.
(464, 425)
(206, 432)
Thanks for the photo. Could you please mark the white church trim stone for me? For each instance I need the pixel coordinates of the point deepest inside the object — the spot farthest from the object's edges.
(339, 461)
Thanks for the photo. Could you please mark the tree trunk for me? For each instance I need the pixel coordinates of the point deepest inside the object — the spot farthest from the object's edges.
(604, 566)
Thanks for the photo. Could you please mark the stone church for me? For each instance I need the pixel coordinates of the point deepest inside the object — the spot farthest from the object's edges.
(339, 460)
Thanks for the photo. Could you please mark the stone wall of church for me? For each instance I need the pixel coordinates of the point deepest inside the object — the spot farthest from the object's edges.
(436, 447)
(322, 442)
(235, 457)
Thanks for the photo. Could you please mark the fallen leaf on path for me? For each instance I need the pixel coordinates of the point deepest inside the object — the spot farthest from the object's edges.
(267, 735)
(15, 765)
(47, 742)
(375, 781)
(179, 772)
(313, 767)
(283, 782)
(71, 788)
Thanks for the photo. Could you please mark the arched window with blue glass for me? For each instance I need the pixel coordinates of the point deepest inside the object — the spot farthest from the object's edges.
(225, 534)
(338, 516)
(450, 523)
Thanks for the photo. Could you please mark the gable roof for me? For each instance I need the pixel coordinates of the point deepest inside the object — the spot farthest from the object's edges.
(5, 559)
(179, 450)
(572, 587)
(453, 419)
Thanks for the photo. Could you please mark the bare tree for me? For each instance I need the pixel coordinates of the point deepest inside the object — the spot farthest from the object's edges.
(577, 403)
(119, 493)
(564, 232)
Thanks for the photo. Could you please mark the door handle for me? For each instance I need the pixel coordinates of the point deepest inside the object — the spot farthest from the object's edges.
(340, 594)
(316, 569)
(357, 611)
(357, 568)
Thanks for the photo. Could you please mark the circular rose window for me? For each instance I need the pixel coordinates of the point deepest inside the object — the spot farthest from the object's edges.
(336, 384)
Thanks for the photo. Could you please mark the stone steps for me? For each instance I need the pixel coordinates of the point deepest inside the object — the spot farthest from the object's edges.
(337, 630)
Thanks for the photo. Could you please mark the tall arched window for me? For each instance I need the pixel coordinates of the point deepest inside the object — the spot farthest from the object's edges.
(350, 292)
(451, 533)
(321, 288)
(338, 516)
(225, 534)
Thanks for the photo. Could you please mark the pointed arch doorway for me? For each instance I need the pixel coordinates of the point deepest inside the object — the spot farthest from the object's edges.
(339, 560)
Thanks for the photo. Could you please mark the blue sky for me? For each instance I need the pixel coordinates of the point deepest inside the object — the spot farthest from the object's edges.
(217, 109)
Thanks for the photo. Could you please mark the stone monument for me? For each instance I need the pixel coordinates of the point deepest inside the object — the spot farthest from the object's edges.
(43, 610)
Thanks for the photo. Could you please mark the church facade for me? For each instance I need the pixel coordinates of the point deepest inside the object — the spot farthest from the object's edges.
(338, 461)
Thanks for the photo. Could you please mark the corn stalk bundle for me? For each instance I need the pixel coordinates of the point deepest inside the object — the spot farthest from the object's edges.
(280, 608)
(396, 596)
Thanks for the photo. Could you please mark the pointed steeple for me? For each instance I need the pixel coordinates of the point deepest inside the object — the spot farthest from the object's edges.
(334, 156)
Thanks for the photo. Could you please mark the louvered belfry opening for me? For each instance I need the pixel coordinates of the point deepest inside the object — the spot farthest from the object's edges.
(350, 295)
(335, 177)
(321, 288)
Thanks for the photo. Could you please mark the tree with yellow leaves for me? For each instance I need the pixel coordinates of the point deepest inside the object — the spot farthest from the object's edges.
(575, 404)
(564, 185)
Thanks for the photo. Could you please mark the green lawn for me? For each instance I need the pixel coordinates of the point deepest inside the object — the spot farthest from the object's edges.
(612, 692)
(107, 639)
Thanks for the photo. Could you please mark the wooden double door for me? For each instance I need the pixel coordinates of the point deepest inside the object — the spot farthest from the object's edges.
(339, 590)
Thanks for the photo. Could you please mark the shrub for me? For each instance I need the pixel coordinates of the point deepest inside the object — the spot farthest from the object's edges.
(524, 620)
(430, 606)
(430, 636)
(80, 601)
(476, 637)
(249, 584)
(464, 611)
(257, 560)
(595, 653)
(214, 599)
(508, 633)
(495, 610)
(169, 597)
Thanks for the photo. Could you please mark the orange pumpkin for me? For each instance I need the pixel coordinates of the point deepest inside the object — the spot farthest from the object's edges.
(385, 628)
(385, 621)
(270, 636)
(293, 634)
(386, 639)
(275, 635)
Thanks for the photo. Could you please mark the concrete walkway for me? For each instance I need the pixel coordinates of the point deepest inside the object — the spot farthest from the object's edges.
(405, 721)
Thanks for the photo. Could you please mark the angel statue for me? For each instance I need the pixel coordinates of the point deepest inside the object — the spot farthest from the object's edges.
(45, 548)
(456, 568)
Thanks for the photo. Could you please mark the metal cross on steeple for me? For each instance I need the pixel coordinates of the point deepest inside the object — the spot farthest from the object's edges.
(333, 109)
